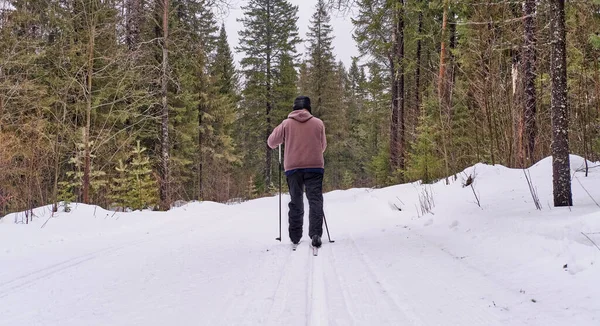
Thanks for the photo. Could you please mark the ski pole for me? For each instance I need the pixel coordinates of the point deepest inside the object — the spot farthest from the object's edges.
(279, 195)
(327, 228)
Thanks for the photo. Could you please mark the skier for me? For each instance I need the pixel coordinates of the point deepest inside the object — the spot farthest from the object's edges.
(304, 137)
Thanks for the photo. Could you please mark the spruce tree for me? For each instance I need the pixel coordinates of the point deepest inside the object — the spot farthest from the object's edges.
(270, 35)
(134, 186)
(216, 90)
(358, 118)
(423, 161)
(321, 58)
(326, 86)
(376, 106)
(119, 188)
(143, 192)
(285, 88)
(223, 67)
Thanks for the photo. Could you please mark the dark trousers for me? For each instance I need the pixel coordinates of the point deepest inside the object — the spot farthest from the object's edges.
(313, 182)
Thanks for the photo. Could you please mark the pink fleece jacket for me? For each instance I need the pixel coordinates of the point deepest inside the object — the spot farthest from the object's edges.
(304, 138)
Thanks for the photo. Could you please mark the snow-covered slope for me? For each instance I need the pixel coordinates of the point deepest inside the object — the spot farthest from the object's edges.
(504, 263)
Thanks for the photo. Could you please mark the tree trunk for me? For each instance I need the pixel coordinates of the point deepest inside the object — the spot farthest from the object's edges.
(441, 76)
(394, 121)
(57, 158)
(397, 69)
(400, 85)
(418, 68)
(88, 114)
(517, 154)
(561, 177)
(200, 156)
(268, 157)
(202, 108)
(449, 89)
(442, 89)
(1, 99)
(165, 196)
(133, 23)
(529, 62)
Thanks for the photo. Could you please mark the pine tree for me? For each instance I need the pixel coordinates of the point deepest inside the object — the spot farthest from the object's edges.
(134, 186)
(358, 119)
(119, 188)
(269, 35)
(74, 185)
(303, 78)
(222, 154)
(285, 88)
(223, 67)
(380, 34)
(376, 105)
(326, 85)
(321, 59)
(423, 161)
(143, 192)
(190, 95)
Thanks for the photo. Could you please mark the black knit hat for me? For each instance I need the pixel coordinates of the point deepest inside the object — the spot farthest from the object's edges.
(302, 102)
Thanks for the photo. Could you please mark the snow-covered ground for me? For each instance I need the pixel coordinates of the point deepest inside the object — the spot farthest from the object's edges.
(504, 263)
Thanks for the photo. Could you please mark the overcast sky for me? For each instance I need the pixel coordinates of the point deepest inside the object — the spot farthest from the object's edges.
(344, 45)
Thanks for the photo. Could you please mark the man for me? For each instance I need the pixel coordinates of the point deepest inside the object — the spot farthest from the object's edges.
(304, 138)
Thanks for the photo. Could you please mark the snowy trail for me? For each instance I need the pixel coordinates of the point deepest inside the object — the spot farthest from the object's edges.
(174, 277)
(211, 264)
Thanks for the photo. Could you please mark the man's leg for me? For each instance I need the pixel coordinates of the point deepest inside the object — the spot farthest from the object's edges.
(296, 215)
(314, 193)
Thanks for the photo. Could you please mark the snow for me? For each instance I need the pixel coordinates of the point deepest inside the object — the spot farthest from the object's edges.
(204, 263)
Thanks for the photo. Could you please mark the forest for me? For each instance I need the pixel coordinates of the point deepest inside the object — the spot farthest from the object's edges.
(134, 104)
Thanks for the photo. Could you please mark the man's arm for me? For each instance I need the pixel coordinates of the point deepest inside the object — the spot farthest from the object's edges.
(276, 137)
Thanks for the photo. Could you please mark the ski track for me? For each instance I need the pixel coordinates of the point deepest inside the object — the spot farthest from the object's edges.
(316, 297)
(428, 290)
(432, 297)
(29, 278)
(340, 286)
(367, 299)
(289, 300)
(399, 277)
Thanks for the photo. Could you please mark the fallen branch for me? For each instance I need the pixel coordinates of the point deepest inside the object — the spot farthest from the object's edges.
(469, 183)
(477, 198)
(534, 195)
(51, 216)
